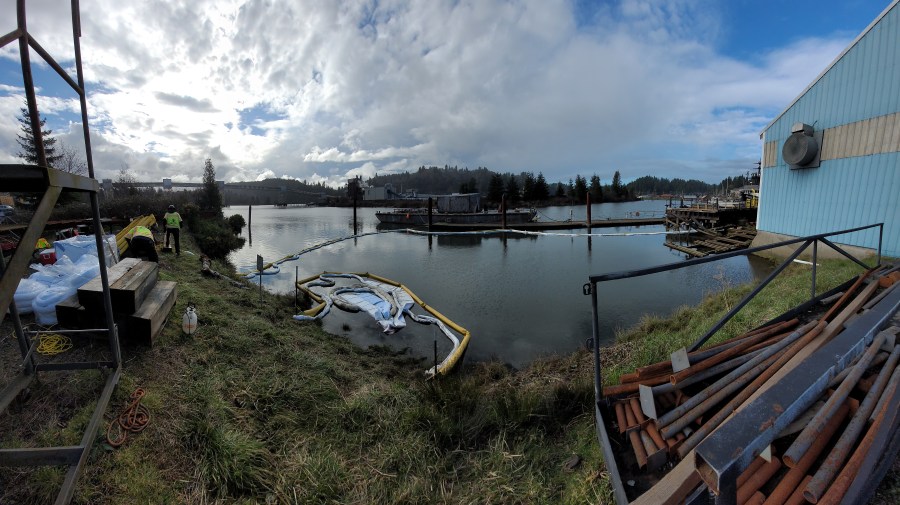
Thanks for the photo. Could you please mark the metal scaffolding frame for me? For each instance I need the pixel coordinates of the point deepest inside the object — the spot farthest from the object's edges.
(51, 183)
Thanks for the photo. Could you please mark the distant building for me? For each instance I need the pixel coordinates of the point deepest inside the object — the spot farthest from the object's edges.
(831, 160)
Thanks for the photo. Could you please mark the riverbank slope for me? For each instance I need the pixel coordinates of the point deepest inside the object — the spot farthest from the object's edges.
(256, 407)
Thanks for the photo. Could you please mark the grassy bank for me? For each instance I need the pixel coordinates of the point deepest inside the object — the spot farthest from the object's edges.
(257, 408)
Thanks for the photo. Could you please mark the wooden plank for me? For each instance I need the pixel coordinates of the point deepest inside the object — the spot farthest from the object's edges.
(91, 294)
(130, 290)
(145, 324)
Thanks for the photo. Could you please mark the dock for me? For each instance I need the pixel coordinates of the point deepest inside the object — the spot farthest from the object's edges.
(552, 225)
(702, 242)
(708, 217)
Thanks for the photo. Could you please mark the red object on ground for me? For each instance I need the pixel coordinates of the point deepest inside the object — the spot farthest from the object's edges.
(47, 256)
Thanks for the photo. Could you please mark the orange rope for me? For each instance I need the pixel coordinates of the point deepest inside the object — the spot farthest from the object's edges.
(134, 419)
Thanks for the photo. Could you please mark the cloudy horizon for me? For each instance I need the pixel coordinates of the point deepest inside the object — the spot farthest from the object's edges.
(323, 91)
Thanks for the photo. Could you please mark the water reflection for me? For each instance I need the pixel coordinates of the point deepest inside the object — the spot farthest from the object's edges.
(519, 295)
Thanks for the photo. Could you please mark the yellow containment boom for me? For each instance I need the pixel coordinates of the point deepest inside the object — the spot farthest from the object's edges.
(146, 221)
(323, 304)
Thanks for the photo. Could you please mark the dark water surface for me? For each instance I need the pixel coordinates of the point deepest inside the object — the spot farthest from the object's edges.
(520, 297)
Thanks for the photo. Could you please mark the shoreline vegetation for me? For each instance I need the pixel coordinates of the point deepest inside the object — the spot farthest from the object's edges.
(257, 408)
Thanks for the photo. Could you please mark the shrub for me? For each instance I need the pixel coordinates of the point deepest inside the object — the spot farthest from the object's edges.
(190, 213)
(237, 223)
(214, 237)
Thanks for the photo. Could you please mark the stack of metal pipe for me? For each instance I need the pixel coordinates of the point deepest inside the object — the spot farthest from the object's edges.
(664, 414)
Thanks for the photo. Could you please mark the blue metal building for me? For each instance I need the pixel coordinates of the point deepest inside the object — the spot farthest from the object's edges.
(831, 160)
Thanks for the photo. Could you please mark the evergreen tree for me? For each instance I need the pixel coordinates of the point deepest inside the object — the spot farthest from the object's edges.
(560, 190)
(512, 190)
(26, 142)
(580, 188)
(528, 186)
(541, 189)
(495, 188)
(596, 189)
(617, 185)
(210, 197)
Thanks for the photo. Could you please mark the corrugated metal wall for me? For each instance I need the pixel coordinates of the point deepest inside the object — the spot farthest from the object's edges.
(857, 103)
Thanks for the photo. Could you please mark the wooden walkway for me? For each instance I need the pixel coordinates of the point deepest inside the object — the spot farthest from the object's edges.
(552, 225)
(706, 242)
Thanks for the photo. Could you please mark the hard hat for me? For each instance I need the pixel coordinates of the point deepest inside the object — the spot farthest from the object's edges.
(171, 207)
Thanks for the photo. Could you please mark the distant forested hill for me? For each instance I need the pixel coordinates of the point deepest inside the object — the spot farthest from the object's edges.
(649, 185)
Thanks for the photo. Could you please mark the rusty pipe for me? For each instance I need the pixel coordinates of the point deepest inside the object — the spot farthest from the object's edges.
(729, 353)
(723, 413)
(670, 416)
(829, 468)
(657, 438)
(630, 420)
(706, 374)
(754, 467)
(665, 367)
(758, 480)
(620, 416)
(796, 497)
(847, 294)
(840, 485)
(633, 387)
(725, 386)
(639, 453)
(814, 428)
(791, 480)
(757, 499)
(712, 397)
(636, 408)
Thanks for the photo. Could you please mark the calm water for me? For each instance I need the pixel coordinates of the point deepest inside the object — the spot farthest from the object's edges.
(520, 297)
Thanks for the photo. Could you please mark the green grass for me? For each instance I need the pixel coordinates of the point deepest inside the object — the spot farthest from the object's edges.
(257, 408)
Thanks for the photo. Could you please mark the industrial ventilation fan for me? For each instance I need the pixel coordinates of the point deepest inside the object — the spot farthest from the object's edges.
(803, 148)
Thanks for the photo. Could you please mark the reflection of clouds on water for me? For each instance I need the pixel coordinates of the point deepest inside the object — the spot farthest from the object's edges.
(519, 298)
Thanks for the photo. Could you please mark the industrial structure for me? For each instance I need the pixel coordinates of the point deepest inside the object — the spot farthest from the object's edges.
(831, 160)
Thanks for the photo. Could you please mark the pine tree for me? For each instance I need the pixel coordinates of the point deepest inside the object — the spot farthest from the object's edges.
(210, 197)
(617, 185)
(495, 188)
(528, 187)
(560, 190)
(541, 189)
(580, 188)
(26, 142)
(596, 189)
(512, 190)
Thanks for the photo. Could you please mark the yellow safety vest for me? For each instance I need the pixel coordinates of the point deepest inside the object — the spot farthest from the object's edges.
(140, 231)
(173, 220)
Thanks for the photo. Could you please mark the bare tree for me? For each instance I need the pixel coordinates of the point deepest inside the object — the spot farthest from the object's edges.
(70, 160)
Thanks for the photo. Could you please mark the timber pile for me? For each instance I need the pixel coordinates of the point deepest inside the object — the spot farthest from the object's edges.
(670, 428)
(140, 302)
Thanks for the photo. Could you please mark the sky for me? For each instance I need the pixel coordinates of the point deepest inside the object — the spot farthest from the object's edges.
(324, 90)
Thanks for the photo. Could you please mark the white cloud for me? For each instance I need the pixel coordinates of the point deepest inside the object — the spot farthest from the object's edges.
(323, 91)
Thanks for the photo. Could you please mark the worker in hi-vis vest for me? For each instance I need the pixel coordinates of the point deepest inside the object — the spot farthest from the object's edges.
(173, 227)
(141, 243)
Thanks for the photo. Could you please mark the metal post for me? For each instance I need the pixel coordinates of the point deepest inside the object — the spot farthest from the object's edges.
(429, 213)
(249, 216)
(815, 257)
(880, 235)
(588, 221)
(354, 211)
(595, 332)
(503, 210)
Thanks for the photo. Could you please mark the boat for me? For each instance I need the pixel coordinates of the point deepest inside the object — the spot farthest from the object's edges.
(458, 208)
